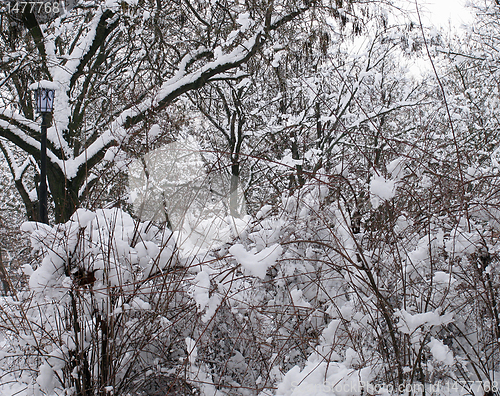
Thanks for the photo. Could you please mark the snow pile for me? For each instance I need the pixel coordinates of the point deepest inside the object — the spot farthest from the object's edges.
(335, 375)
(444, 278)
(45, 84)
(244, 21)
(462, 242)
(320, 378)
(408, 323)
(253, 263)
(396, 168)
(418, 263)
(381, 189)
(192, 350)
(78, 250)
(441, 352)
(200, 290)
(201, 233)
(298, 299)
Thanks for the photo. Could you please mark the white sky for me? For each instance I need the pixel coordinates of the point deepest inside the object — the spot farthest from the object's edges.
(442, 13)
(446, 15)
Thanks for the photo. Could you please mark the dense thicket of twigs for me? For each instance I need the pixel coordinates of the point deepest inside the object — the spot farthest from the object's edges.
(250, 198)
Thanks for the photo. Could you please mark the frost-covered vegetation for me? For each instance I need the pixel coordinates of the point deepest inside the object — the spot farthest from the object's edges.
(250, 198)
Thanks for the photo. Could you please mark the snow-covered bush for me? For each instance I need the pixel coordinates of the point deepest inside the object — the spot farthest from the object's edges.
(99, 313)
(298, 301)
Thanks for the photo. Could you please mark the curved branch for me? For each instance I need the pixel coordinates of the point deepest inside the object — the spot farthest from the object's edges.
(179, 85)
(182, 83)
(90, 162)
(14, 132)
(102, 31)
(30, 22)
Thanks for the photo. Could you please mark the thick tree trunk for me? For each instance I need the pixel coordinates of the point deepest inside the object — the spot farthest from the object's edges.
(233, 197)
(64, 193)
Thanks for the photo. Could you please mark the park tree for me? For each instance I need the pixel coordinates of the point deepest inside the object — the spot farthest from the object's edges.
(117, 66)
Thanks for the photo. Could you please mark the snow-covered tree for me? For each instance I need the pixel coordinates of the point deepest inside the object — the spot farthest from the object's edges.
(117, 66)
